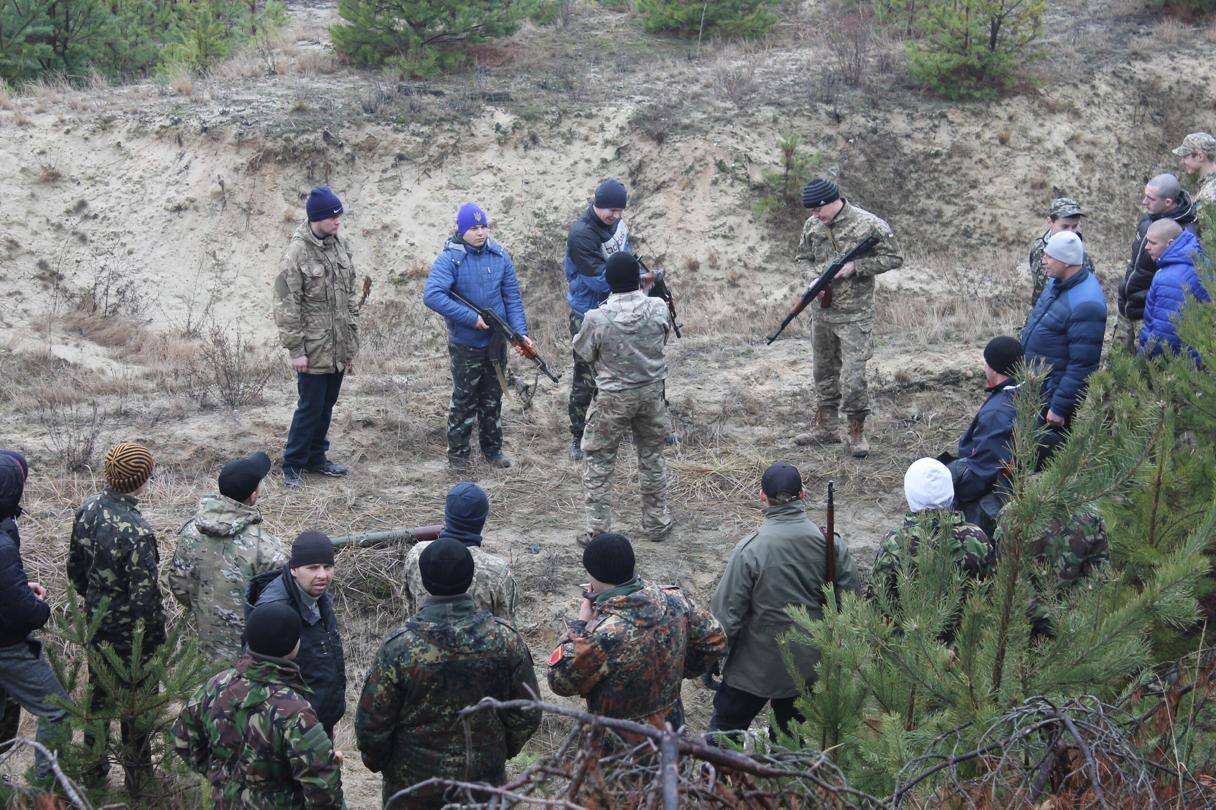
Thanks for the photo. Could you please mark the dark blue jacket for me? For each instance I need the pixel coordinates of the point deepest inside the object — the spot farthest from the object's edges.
(1176, 276)
(1065, 332)
(589, 243)
(986, 446)
(321, 661)
(21, 613)
(485, 276)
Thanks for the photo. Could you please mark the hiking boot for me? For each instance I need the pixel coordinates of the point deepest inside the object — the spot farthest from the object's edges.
(826, 430)
(292, 477)
(661, 534)
(498, 460)
(329, 468)
(858, 446)
(576, 450)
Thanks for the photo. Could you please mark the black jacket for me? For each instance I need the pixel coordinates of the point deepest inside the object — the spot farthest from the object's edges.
(21, 613)
(1133, 291)
(321, 660)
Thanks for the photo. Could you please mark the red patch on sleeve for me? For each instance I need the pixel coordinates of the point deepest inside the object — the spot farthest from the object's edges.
(557, 655)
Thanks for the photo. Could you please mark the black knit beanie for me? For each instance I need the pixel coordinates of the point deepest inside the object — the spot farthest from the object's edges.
(609, 558)
(446, 567)
(819, 192)
(312, 548)
(621, 272)
(273, 629)
(1002, 354)
(611, 194)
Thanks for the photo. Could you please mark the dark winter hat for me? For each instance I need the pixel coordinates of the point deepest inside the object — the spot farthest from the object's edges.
(470, 215)
(819, 192)
(323, 204)
(609, 558)
(273, 629)
(241, 476)
(446, 567)
(465, 512)
(20, 459)
(781, 480)
(611, 194)
(12, 483)
(1002, 354)
(311, 548)
(621, 272)
(128, 466)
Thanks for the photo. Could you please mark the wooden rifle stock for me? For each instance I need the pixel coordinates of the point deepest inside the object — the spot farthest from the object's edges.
(825, 278)
(830, 544)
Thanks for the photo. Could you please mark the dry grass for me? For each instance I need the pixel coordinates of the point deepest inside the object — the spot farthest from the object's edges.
(48, 175)
(1172, 31)
(181, 81)
(6, 96)
(315, 62)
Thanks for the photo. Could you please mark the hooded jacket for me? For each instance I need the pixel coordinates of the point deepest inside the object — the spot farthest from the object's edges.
(1065, 330)
(624, 339)
(21, 613)
(316, 301)
(1176, 277)
(1138, 277)
(986, 447)
(589, 243)
(485, 276)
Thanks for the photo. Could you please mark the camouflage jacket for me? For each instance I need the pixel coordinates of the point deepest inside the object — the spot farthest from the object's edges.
(1073, 548)
(258, 742)
(218, 552)
(1206, 194)
(1038, 278)
(448, 656)
(970, 547)
(624, 338)
(112, 556)
(852, 297)
(629, 660)
(493, 587)
(316, 301)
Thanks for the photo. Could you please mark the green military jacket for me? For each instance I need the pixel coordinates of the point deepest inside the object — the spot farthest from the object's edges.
(493, 587)
(970, 547)
(782, 563)
(630, 659)
(316, 301)
(218, 551)
(852, 297)
(251, 732)
(112, 557)
(449, 655)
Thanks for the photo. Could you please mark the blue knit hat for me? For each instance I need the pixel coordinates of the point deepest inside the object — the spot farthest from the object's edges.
(470, 215)
(611, 194)
(322, 204)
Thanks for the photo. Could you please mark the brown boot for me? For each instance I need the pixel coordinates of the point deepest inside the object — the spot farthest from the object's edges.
(858, 446)
(826, 429)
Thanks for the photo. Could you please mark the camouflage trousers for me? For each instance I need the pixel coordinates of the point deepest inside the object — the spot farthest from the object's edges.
(839, 352)
(641, 411)
(476, 395)
(582, 386)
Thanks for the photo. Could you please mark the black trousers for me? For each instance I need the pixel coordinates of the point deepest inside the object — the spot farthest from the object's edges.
(307, 441)
(734, 710)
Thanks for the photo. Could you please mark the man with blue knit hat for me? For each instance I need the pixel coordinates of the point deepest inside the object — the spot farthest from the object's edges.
(316, 307)
(464, 517)
(480, 270)
(593, 238)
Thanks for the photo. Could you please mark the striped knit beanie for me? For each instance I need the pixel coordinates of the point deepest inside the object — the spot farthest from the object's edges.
(128, 466)
(819, 192)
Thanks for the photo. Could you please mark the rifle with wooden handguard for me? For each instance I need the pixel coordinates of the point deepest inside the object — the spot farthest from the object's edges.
(825, 278)
(499, 325)
(659, 289)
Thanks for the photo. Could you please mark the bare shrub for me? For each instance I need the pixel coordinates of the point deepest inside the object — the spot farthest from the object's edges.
(850, 42)
(48, 174)
(737, 83)
(72, 430)
(315, 61)
(21, 119)
(239, 369)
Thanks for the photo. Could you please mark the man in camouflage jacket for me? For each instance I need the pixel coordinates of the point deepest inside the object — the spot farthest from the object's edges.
(930, 493)
(112, 558)
(253, 735)
(624, 339)
(634, 641)
(842, 327)
(219, 550)
(316, 307)
(1072, 549)
(448, 656)
(464, 516)
(1063, 215)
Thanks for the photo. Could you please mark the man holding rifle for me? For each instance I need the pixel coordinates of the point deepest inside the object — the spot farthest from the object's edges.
(842, 326)
(479, 270)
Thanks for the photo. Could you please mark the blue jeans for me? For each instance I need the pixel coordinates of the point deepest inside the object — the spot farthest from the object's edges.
(307, 440)
(27, 678)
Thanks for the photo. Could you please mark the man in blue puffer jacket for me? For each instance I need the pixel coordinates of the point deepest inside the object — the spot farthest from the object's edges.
(1066, 328)
(1174, 251)
(481, 270)
(25, 676)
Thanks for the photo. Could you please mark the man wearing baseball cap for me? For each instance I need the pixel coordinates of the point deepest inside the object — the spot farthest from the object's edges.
(1064, 214)
(218, 551)
(1066, 327)
(1198, 153)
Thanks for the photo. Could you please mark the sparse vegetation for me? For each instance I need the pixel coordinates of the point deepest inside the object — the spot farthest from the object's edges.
(781, 191)
(703, 18)
(240, 368)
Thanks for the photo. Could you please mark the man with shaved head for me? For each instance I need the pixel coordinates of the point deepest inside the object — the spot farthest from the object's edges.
(1174, 250)
(1164, 198)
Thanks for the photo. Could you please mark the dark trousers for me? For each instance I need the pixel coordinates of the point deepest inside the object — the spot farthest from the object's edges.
(136, 758)
(27, 680)
(582, 386)
(476, 395)
(734, 710)
(307, 440)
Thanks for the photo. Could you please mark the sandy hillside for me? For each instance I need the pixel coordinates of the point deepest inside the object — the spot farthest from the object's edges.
(149, 214)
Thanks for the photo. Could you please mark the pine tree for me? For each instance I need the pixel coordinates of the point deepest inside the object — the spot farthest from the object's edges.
(699, 18)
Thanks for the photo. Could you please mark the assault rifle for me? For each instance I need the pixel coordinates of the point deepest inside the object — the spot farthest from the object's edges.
(830, 545)
(504, 330)
(659, 289)
(825, 278)
(366, 539)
